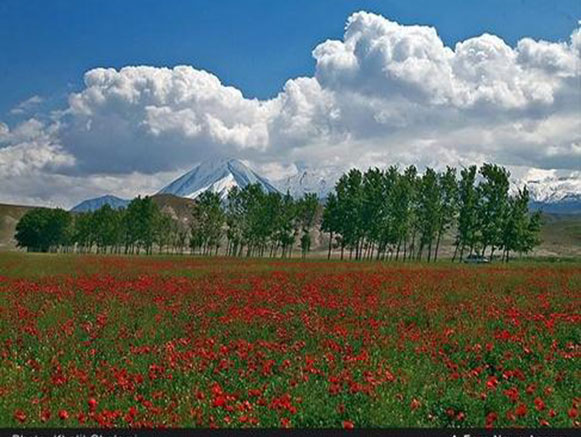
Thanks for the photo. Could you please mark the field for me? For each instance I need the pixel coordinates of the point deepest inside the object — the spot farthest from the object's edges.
(172, 341)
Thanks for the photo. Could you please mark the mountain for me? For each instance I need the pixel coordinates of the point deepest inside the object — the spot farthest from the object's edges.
(96, 203)
(552, 192)
(570, 204)
(306, 180)
(218, 176)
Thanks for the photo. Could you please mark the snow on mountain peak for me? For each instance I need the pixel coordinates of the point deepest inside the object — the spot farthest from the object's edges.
(306, 180)
(551, 186)
(218, 176)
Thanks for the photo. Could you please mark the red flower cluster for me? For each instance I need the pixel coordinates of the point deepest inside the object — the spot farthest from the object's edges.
(142, 342)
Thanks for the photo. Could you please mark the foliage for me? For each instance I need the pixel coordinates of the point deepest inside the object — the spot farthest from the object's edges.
(381, 214)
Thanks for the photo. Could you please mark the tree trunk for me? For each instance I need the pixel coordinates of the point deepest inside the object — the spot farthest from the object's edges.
(437, 245)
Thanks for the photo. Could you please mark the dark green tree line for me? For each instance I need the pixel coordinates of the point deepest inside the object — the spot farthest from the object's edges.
(377, 214)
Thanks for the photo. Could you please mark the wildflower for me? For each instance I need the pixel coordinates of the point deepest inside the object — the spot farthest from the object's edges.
(20, 415)
(92, 402)
(348, 424)
(521, 410)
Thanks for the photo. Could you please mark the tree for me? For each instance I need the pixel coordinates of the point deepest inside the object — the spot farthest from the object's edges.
(373, 208)
(284, 233)
(349, 190)
(104, 226)
(449, 203)
(468, 219)
(139, 221)
(331, 220)
(234, 221)
(521, 229)
(306, 211)
(162, 229)
(409, 184)
(429, 210)
(492, 206)
(208, 221)
(42, 229)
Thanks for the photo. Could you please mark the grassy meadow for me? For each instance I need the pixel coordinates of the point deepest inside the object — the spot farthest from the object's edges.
(218, 342)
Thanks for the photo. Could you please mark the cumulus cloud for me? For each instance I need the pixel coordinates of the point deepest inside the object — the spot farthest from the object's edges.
(31, 146)
(385, 93)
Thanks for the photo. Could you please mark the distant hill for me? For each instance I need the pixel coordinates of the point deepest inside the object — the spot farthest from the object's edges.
(567, 205)
(96, 203)
(180, 208)
(560, 235)
(9, 216)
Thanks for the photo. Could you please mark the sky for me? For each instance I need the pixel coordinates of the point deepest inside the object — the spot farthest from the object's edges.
(107, 96)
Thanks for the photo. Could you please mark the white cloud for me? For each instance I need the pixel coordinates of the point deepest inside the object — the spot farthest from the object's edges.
(30, 146)
(27, 105)
(385, 93)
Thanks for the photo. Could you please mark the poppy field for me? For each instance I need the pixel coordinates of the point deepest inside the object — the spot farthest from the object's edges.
(221, 342)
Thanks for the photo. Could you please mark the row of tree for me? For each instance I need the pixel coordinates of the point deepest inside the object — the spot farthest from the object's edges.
(136, 229)
(405, 215)
(389, 214)
(255, 222)
(251, 222)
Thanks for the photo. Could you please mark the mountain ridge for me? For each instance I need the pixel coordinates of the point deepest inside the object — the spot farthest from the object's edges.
(218, 176)
(549, 192)
(98, 202)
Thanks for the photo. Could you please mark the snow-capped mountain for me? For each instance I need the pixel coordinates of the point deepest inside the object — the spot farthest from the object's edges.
(218, 176)
(553, 191)
(307, 180)
(96, 203)
(550, 190)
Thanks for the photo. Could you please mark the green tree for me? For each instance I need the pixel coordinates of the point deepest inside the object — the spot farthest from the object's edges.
(207, 224)
(429, 210)
(306, 212)
(349, 190)
(105, 227)
(449, 204)
(492, 206)
(42, 229)
(331, 222)
(521, 228)
(468, 219)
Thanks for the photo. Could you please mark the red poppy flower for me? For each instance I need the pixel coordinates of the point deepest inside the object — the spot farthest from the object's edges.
(92, 402)
(348, 424)
(521, 410)
(20, 415)
(45, 415)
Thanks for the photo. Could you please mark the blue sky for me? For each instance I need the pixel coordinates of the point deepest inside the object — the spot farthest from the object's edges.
(322, 84)
(255, 45)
